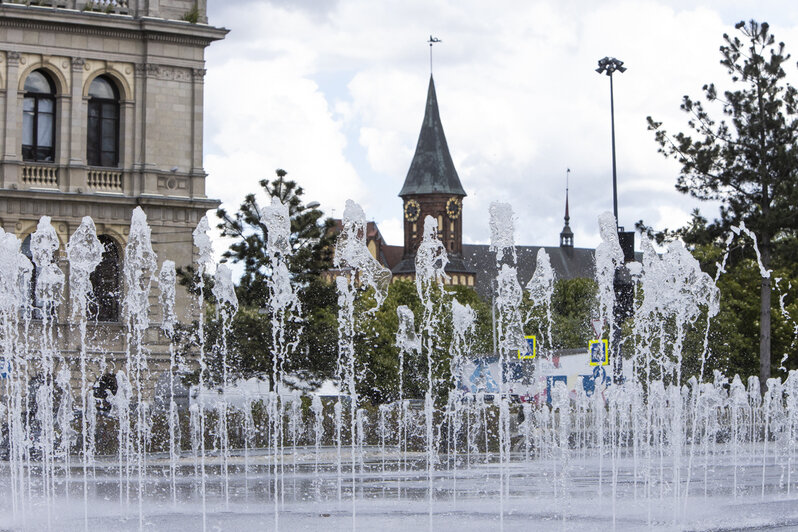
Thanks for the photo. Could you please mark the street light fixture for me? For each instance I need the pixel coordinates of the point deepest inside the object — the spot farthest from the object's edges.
(610, 65)
(622, 285)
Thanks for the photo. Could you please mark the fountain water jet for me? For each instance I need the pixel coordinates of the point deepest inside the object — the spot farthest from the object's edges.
(647, 439)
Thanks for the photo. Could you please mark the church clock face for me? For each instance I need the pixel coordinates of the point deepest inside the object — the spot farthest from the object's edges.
(453, 208)
(412, 210)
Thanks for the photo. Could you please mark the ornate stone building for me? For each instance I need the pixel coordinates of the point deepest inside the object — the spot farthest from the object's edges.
(101, 105)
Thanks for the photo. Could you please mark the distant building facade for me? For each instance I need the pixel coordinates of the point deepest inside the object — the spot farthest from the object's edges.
(433, 188)
(101, 105)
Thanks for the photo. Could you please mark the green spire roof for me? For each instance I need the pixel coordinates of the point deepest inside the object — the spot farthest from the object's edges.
(432, 170)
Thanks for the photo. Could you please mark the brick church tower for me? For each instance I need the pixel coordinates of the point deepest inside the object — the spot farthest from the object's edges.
(432, 188)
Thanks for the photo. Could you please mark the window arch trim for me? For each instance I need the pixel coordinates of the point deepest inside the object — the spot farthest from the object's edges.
(59, 82)
(123, 88)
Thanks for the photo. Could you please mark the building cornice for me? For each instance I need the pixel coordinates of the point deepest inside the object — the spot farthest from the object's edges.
(108, 25)
(111, 199)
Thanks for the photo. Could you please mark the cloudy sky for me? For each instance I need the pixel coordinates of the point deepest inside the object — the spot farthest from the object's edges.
(334, 92)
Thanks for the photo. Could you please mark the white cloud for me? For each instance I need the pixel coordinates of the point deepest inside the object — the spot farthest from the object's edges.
(392, 230)
(335, 95)
(273, 121)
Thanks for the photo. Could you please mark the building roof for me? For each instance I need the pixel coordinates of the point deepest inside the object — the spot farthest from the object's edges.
(387, 255)
(432, 170)
(456, 264)
(567, 262)
(392, 255)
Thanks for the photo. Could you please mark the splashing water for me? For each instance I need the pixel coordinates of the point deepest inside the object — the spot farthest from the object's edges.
(15, 272)
(84, 251)
(139, 271)
(431, 261)
(609, 257)
(541, 289)
(227, 306)
(44, 245)
(362, 270)
(351, 252)
(167, 278)
(285, 308)
(509, 329)
(662, 440)
(408, 342)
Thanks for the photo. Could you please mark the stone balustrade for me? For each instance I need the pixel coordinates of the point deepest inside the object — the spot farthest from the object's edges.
(105, 180)
(40, 176)
(100, 6)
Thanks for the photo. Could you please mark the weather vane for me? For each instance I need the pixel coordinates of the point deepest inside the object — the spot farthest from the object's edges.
(432, 40)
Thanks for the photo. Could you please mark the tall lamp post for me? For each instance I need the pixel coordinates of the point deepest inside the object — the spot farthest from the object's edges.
(609, 65)
(622, 283)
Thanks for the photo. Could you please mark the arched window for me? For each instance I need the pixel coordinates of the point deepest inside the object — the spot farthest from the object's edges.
(104, 303)
(38, 118)
(102, 144)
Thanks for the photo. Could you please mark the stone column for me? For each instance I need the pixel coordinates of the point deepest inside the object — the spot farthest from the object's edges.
(135, 186)
(153, 8)
(202, 8)
(78, 117)
(78, 127)
(137, 145)
(197, 118)
(12, 110)
(149, 179)
(13, 123)
(127, 142)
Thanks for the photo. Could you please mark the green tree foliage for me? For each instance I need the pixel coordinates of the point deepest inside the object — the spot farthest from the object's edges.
(378, 356)
(732, 342)
(572, 305)
(312, 243)
(312, 240)
(749, 159)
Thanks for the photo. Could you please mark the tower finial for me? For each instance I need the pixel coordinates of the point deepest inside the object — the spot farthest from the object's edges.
(566, 235)
(567, 176)
(432, 40)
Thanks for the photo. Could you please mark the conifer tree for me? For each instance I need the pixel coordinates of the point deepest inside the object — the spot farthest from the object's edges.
(748, 158)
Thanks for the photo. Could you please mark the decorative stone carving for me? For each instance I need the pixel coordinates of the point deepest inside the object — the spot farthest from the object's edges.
(164, 72)
(78, 64)
(170, 184)
(181, 74)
